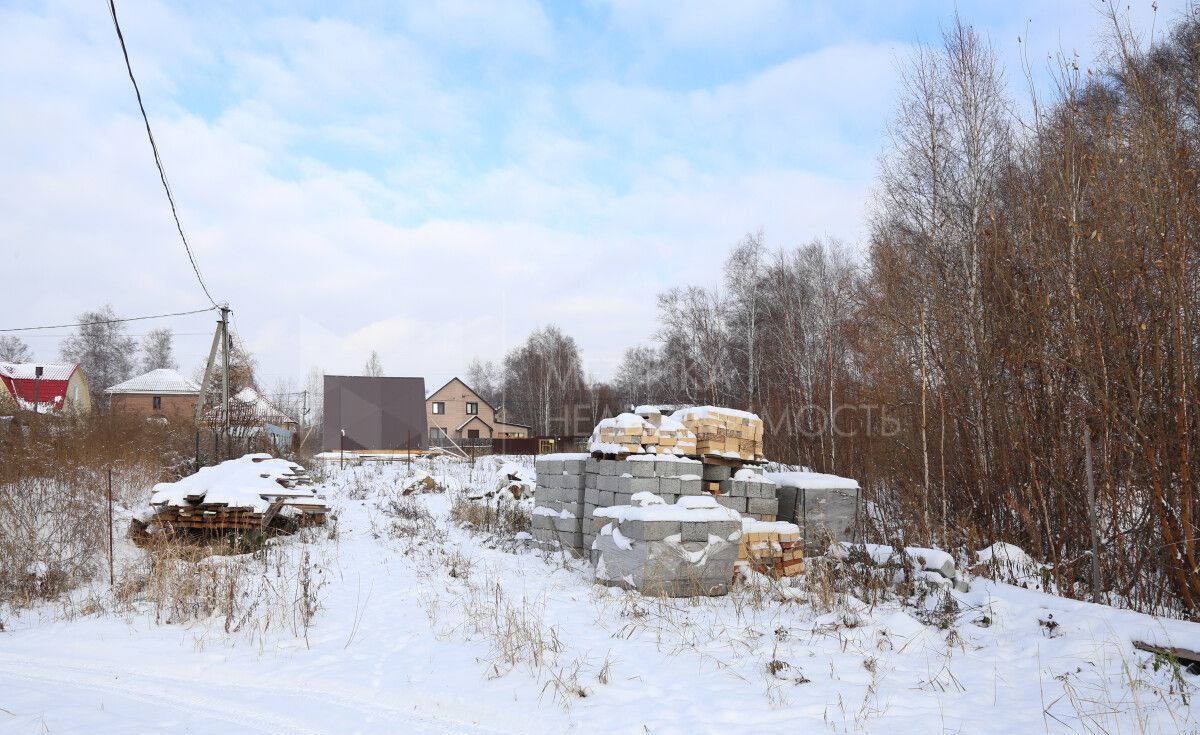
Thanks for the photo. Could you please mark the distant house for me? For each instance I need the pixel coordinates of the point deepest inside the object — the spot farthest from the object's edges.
(60, 387)
(456, 414)
(159, 392)
(252, 416)
(380, 413)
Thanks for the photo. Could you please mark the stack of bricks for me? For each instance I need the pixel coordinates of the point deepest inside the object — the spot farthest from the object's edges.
(669, 436)
(558, 498)
(623, 434)
(774, 549)
(724, 432)
(612, 482)
(747, 490)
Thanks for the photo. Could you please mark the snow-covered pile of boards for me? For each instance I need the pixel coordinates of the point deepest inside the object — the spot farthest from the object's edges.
(242, 494)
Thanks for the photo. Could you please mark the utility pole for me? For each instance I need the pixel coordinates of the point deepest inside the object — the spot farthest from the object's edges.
(218, 335)
(37, 379)
(225, 375)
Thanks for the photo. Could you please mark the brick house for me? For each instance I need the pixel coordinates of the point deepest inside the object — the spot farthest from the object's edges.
(59, 387)
(456, 414)
(159, 392)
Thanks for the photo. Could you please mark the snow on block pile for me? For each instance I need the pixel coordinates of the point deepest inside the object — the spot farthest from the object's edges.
(558, 499)
(775, 549)
(240, 494)
(724, 432)
(681, 549)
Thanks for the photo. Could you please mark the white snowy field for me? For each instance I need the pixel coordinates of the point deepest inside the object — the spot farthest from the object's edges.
(417, 625)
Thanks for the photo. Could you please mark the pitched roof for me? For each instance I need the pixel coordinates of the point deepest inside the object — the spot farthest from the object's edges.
(473, 418)
(463, 383)
(157, 381)
(28, 370)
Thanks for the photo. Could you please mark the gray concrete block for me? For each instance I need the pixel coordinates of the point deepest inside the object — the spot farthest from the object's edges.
(591, 496)
(625, 485)
(694, 530)
(641, 469)
(761, 489)
(606, 499)
(729, 501)
(762, 506)
(716, 472)
(554, 466)
(668, 498)
(669, 485)
(649, 530)
(612, 467)
(592, 465)
(566, 525)
(691, 487)
(643, 485)
(573, 466)
(575, 509)
(606, 483)
(622, 498)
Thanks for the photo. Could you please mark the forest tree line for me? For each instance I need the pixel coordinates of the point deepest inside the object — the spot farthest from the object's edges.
(1025, 309)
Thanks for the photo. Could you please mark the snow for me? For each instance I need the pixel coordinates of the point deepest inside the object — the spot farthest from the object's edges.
(402, 645)
(564, 456)
(688, 508)
(162, 380)
(28, 370)
(812, 481)
(748, 475)
(703, 412)
(664, 458)
(247, 482)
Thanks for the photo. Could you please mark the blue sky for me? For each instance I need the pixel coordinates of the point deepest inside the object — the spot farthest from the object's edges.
(433, 180)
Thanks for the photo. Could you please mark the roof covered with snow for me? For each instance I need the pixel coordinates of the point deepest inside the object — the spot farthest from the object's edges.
(158, 381)
(28, 370)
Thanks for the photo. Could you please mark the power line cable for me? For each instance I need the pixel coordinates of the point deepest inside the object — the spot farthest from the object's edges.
(162, 174)
(110, 321)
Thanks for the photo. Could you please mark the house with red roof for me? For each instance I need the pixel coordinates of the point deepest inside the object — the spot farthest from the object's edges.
(44, 388)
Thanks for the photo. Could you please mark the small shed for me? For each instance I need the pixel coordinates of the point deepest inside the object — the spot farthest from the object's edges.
(822, 505)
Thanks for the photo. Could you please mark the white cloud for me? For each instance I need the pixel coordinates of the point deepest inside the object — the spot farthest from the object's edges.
(347, 188)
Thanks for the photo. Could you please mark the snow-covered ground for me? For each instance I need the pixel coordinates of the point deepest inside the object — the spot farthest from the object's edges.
(425, 627)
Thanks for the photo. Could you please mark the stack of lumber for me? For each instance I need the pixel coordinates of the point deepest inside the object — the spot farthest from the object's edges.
(774, 549)
(724, 433)
(241, 494)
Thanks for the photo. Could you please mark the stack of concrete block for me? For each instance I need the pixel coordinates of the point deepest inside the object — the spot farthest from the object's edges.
(558, 513)
(613, 482)
(674, 550)
(746, 489)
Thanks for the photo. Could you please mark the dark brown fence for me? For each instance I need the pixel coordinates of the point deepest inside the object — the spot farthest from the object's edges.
(539, 445)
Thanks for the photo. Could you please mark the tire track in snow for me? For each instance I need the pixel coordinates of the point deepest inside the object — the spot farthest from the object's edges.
(189, 694)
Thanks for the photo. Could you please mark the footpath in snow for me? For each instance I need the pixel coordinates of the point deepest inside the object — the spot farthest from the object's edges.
(421, 626)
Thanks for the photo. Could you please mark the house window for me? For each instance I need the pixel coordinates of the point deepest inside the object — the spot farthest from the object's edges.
(439, 407)
(157, 403)
(472, 433)
(436, 432)
(472, 408)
